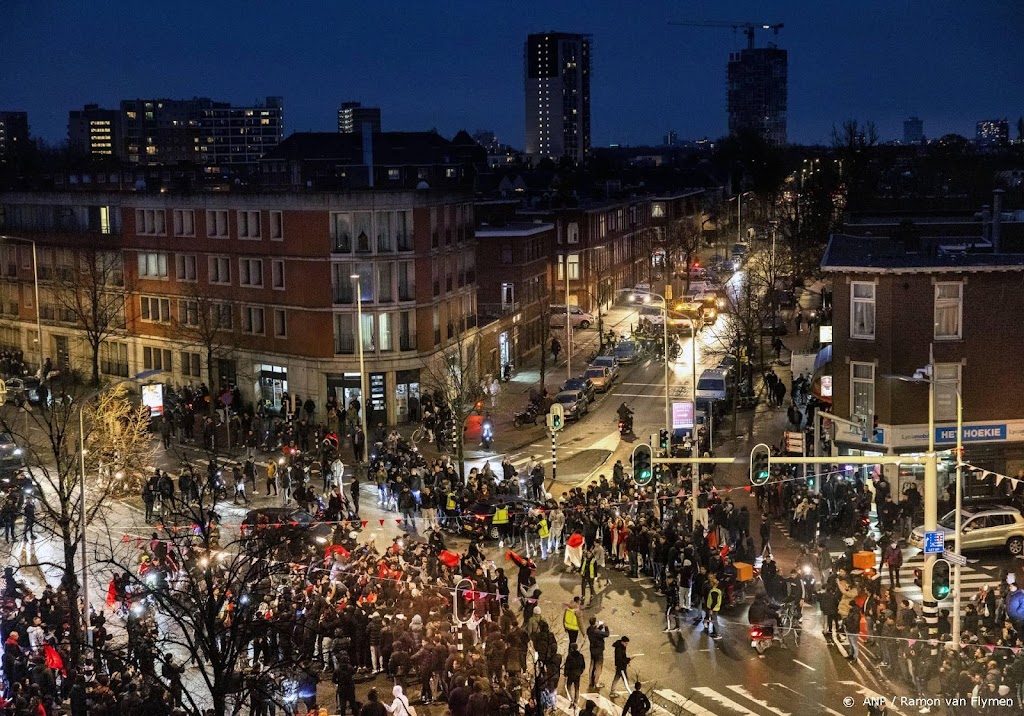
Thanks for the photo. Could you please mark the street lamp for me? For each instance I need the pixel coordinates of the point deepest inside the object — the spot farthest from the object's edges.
(925, 375)
(35, 281)
(81, 484)
(362, 367)
(568, 320)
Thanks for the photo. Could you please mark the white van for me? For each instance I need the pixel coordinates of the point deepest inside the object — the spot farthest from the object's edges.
(579, 317)
(715, 384)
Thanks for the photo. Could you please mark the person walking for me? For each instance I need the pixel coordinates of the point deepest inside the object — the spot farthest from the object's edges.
(271, 478)
(622, 660)
(571, 620)
(893, 559)
(712, 605)
(556, 348)
(358, 443)
(588, 573)
(851, 625)
(597, 633)
(574, 668)
(353, 487)
(637, 704)
(30, 520)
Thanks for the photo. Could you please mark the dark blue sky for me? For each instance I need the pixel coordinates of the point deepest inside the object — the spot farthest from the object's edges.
(458, 64)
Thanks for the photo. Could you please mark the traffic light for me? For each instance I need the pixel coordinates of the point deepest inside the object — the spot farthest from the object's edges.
(760, 464)
(810, 482)
(462, 599)
(556, 417)
(663, 439)
(642, 472)
(940, 580)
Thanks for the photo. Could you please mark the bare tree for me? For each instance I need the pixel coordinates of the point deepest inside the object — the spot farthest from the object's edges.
(206, 324)
(453, 376)
(93, 294)
(681, 242)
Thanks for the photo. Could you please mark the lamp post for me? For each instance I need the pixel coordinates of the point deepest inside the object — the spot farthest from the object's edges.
(81, 486)
(926, 375)
(362, 367)
(35, 281)
(568, 321)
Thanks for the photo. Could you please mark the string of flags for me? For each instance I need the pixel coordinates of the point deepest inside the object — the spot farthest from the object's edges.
(983, 474)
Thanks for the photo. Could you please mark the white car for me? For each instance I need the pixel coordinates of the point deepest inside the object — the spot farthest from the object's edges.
(980, 529)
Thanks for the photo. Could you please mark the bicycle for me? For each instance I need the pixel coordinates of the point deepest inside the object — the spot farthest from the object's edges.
(417, 435)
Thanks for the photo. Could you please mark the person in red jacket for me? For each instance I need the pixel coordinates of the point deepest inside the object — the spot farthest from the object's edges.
(893, 559)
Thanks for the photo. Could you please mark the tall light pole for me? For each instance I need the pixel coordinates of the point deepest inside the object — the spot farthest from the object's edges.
(362, 366)
(35, 281)
(568, 320)
(81, 486)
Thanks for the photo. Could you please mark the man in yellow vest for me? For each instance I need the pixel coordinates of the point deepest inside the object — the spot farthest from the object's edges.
(588, 573)
(543, 532)
(500, 521)
(712, 605)
(571, 620)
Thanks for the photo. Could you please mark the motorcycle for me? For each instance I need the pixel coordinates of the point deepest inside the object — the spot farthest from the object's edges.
(762, 637)
(810, 587)
(626, 426)
(486, 436)
(526, 415)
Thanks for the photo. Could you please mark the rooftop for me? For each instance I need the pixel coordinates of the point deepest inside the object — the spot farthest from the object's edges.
(882, 254)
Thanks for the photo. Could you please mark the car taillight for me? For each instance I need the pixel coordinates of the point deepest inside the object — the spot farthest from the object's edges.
(755, 633)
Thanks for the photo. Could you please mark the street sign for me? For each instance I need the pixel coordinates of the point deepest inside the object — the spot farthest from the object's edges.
(954, 558)
(795, 442)
(682, 416)
(934, 542)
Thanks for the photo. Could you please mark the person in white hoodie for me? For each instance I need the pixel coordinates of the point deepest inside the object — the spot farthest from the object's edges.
(37, 636)
(400, 706)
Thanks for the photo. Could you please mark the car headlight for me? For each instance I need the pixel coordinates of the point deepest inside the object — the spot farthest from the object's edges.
(18, 451)
(321, 540)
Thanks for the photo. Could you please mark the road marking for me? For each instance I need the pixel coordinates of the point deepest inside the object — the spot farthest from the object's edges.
(823, 707)
(805, 665)
(724, 700)
(760, 702)
(683, 702)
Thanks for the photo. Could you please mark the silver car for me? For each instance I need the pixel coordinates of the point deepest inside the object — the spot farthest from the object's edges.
(608, 362)
(981, 529)
(574, 402)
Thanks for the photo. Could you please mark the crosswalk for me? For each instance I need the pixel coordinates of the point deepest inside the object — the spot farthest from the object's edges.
(769, 699)
(972, 577)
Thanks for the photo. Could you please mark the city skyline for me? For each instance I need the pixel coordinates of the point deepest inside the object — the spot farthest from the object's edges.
(951, 67)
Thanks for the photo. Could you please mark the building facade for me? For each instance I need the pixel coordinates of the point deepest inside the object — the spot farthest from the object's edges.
(757, 94)
(557, 68)
(353, 118)
(913, 130)
(992, 132)
(272, 273)
(13, 133)
(96, 131)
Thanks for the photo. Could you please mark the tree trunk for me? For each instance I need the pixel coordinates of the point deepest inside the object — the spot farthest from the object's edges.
(211, 382)
(79, 640)
(95, 365)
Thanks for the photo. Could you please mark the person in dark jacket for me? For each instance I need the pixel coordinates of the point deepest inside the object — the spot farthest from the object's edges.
(574, 668)
(373, 706)
(637, 704)
(621, 663)
(344, 682)
(597, 632)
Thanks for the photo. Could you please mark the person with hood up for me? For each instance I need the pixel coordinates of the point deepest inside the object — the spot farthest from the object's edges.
(621, 663)
(400, 705)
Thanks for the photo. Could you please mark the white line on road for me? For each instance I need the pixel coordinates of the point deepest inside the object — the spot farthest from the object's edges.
(804, 665)
(723, 700)
(824, 708)
(760, 702)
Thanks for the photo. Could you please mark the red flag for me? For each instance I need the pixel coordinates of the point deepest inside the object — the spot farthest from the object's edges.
(365, 522)
(398, 522)
(111, 594)
(518, 560)
(746, 488)
(53, 660)
(381, 522)
(451, 559)
(575, 540)
(333, 549)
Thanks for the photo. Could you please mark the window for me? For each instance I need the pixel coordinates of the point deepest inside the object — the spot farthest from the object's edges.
(185, 267)
(344, 338)
(657, 210)
(394, 174)
(367, 328)
(252, 320)
(188, 312)
(406, 281)
(191, 364)
(155, 310)
(406, 331)
(114, 358)
(403, 230)
(947, 383)
(385, 274)
(156, 358)
(280, 323)
(862, 389)
(384, 337)
(948, 311)
(277, 274)
(149, 222)
(248, 224)
(221, 315)
(220, 270)
(574, 267)
(341, 233)
(217, 224)
(506, 254)
(862, 310)
(153, 265)
(572, 234)
(385, 233)
(276, 226)
(184, 222)
(250, 273)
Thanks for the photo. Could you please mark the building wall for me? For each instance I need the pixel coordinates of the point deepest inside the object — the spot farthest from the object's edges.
(557, 101)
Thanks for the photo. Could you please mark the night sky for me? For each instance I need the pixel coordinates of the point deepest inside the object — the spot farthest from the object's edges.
(458, 64)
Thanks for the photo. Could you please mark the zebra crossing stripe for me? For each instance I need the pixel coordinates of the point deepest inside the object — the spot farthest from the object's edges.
(760, 702)
(682, 702)
(727, 702)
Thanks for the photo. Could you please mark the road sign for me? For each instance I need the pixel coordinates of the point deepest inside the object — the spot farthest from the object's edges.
(954, 558)
(934, 542)
(682, 416)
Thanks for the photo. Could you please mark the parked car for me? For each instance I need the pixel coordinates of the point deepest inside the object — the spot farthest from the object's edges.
(582, 384)
(714, 384)
(774, 327)
(608, 362)
(980, 529)
(655, 316)
(12, 457)
(728, 362)
(600, 377)
(627, 352)
(578, 317)
(574, 402)
(19, 389)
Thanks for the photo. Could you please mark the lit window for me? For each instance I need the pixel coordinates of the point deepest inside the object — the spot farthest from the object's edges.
(862, 310)
(948, 311)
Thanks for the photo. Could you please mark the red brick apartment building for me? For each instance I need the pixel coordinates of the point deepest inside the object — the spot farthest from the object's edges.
(274, 268)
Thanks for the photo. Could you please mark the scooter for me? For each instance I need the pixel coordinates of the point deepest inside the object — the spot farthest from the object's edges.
(626, 426)
(810, 587)
(486, 436)
(527, 415)
(762, 637)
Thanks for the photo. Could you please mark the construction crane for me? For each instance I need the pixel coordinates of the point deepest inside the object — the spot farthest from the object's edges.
(747, 27)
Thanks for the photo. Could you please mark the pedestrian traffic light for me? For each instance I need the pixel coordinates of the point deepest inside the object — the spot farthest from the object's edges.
(642, 473)
(556, 417)
(663, 439)
(462, 601)
(940, 580)
(760, 464)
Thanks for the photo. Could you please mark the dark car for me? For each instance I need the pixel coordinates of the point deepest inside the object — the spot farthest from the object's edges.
(776, 327)
(476, 519)
(287, 530)
(12, 457)
(582, 384)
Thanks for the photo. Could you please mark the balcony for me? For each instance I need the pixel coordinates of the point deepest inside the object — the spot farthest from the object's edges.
(344, 345)
(493, 311)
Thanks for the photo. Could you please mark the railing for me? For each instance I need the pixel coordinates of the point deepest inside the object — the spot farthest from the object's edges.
(344, 295)
(345, 345)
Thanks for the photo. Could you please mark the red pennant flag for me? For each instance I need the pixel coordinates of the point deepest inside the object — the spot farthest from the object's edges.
(333, 549)
(398, 522)
(451, 559)
(746, 488)
(126, 539)
(366, 522)
(381, 522)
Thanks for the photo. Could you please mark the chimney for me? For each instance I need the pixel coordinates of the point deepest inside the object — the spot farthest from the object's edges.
(986, 222)
(997, 219)
(367, 135)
